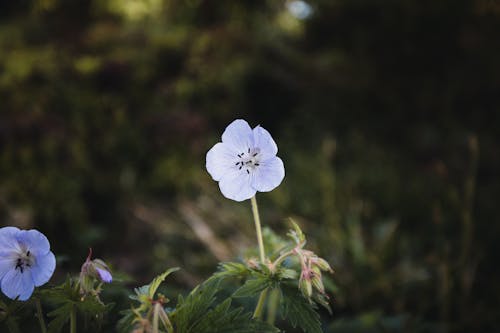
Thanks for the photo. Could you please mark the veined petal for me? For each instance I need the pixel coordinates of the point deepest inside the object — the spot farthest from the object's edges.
(7, 262)
(43, 268)
(35, 241)
(236, 185)
(239, 136)
(264, 141)
(15, 283)
(8, 238)
(219, 160)
(268, 175)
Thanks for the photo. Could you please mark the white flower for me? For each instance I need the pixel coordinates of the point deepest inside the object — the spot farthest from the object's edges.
(245, 161)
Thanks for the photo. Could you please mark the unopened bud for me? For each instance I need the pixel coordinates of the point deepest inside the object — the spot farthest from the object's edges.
(305, 285)
(323, 264)
(93, 271)
(317, 281)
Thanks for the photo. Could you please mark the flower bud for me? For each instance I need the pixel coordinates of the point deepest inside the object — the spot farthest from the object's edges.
(316, 280)
(323, 264)
(93, 271)
(305, 285)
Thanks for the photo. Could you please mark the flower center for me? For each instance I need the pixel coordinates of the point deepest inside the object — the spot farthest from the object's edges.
(248, 160)
(24, 260)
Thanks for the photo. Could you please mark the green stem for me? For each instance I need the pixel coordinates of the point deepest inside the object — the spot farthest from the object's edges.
(12, 325)
(256, 218)
(39, 314)
(72, 319)
(281, 258)
(273, 304)
(260, 304)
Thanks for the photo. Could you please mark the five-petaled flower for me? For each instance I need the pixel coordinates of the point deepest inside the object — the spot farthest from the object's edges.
(245, 161)
(26, 262)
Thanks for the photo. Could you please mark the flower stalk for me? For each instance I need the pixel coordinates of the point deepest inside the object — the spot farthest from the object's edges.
(39, 314)
(258, 229)
(72, 319)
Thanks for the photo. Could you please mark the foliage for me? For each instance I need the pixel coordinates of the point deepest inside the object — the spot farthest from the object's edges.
(386, 113)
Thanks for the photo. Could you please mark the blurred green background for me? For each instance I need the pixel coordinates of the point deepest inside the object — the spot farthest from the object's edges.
(386, 114)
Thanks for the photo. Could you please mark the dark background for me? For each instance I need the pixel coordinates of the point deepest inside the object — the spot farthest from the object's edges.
(386, 114)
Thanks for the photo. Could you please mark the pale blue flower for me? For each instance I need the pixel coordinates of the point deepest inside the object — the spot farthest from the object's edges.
(25, 262)
(245, 161)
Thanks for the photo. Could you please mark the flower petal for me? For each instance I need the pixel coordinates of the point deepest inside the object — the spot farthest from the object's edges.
(7, 262)
(236, 185)
(8, 238)
(268, 175)
(15, 283)
(104, 275)
(238, 136)
(35, 241)
(219, 160)
(264, 141)
(43, 268)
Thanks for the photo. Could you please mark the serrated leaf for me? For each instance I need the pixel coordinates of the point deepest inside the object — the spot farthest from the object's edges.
(232, 270)
(223, 319)
(191, 309)
(60, 317)
(153, 286)
(298, 311)
(253, 287)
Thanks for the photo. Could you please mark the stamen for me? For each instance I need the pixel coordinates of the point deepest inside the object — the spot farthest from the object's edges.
(28, 253)
(248, 171)
(256, 164)
(249, 150)
(255, 154)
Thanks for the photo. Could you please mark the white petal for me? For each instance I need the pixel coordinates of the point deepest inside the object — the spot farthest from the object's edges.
(268, 175)
(219, 160)
(35, 241)
(239, 136)
(15, 283)
(43, 268)
(236, 185)
(264, 141)
(7, 262)
(8, 238)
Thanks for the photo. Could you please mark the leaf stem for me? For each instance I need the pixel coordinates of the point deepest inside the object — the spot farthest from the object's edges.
(39, 314)
(260, 304)
(258, 228)
(72, 319)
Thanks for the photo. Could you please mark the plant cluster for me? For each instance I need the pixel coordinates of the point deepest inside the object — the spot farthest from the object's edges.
(286, 280)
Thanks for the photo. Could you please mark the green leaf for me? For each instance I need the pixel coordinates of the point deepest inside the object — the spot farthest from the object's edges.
(298, 311)
(223, 319)
(153, 286)
(232, 270)
(253, 287)
(194, 306)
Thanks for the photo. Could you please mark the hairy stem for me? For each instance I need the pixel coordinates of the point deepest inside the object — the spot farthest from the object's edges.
(39, 314)
(72, 319)
(260, 304)
(258, 228)
(272, 309)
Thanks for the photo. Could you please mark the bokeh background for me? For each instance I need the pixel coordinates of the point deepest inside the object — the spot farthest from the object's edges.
(386, 114)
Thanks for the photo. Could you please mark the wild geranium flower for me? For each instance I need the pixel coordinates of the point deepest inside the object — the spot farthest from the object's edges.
(93, 271)
(26, 262)
(245, 161)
